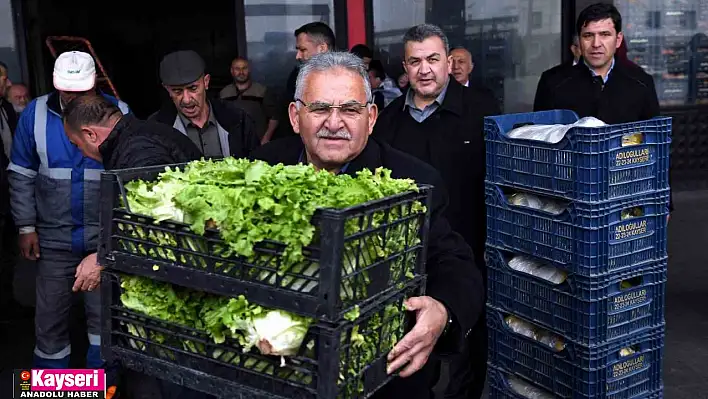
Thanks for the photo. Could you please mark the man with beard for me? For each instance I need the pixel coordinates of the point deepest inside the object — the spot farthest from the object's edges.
(310, 39)
(441, 122)
(333, 115)
(217, 128)
(18, 95)
(252, 97)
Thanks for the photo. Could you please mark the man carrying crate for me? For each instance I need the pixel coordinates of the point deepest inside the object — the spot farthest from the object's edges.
(334, 116)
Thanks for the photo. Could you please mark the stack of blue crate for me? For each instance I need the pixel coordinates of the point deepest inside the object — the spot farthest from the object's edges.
(576, 258)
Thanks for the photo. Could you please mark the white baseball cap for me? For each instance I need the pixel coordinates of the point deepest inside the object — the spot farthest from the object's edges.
(74, 71)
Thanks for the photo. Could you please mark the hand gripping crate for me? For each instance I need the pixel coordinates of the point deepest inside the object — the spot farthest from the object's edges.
(588, 239)
(336, 360)
(358, 253)
(501, 386)
(588, 164)
(625, 369)
(588, 310)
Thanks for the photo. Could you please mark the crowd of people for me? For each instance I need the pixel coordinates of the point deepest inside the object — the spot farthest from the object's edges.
(343, 114)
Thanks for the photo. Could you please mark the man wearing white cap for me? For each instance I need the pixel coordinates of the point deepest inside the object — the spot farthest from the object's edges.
(54, 193)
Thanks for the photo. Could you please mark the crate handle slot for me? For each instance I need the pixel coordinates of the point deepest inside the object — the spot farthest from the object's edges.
(563, 276)
(121, 188)
(563, 204)
(535, 333)
(629, 350)
(631, 139)
(630, 283)
(632, 212)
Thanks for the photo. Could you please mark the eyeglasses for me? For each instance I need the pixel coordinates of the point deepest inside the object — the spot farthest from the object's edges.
(348, 109)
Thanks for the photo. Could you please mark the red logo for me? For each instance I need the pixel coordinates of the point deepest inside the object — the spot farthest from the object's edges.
(25, 375)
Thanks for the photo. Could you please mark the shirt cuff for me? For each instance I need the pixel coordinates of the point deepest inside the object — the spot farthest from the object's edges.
(27, 229)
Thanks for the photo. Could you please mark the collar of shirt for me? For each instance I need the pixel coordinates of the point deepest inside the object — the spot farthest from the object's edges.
(188, 123)
(604, 79)
(303, 161)
(421, 115)
(410, 101)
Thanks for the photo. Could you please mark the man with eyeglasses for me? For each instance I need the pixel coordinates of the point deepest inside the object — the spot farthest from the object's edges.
(333, 114)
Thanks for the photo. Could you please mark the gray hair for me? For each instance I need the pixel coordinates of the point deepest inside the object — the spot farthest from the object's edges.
(421, 32)
(576, 40)
(332, 60)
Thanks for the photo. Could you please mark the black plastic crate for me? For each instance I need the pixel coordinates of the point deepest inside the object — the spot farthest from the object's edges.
(329, 364)
(587, 310)
(358, 254)
(579, 371)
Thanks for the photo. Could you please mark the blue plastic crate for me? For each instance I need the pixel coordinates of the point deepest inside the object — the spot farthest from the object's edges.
(499, 387)
(579, 371)
(588, 310)
(587, 239)
(588, 164)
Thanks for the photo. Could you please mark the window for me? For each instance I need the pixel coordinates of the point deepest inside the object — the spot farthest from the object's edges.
(537, 19)
(512, 41)
(8, 46)
(269, 34)
(668, 40)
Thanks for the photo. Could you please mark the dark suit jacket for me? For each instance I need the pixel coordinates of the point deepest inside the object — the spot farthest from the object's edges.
(243, 137)
(12, 116)
(4, 162)
(628, 96)
(134, 143)
(452, 141)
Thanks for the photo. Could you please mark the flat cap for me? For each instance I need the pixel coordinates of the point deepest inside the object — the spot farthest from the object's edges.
(181, 67)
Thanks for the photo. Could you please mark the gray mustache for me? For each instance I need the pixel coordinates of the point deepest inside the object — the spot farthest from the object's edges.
(327, 134)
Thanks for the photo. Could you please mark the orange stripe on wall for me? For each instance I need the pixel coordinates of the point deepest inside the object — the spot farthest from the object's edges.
(356, 22)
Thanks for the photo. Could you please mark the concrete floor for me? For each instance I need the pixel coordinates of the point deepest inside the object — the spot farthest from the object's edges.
(686, 350)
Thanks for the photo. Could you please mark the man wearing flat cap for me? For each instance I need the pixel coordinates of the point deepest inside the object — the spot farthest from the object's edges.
(219, 129)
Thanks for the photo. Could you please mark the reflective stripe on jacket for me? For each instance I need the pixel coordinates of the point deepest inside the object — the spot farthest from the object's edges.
(52, 185)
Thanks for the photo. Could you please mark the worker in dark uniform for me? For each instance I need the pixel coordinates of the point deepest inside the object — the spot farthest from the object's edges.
(600, 85)
(441, 122)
